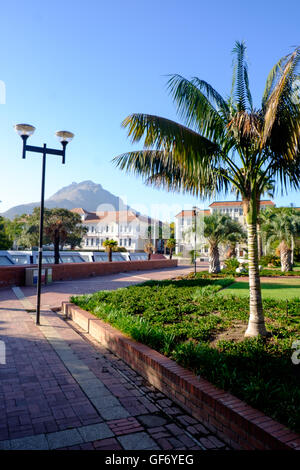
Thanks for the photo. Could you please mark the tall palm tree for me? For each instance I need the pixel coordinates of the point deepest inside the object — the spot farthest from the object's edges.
(225, 143)
(282, 225)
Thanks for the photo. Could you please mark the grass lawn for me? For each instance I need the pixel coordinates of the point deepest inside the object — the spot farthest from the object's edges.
(283, 288)
(185, 320)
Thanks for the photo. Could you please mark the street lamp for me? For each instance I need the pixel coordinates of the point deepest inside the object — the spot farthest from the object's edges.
(25, 131)
(195, 239)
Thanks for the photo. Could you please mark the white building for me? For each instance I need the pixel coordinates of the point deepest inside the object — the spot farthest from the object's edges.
(129, 229)
(185, 220)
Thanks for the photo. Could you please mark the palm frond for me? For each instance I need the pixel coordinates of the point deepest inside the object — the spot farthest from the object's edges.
(240, 91)
(160, 169)
(195, 109)
(185, 145)
(282, 111)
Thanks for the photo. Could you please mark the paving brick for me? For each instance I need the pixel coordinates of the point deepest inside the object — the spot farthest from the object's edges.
(63, 388)
(95, 432)
(38, 442)
(137, 441)
(107, 444)
(67, 438)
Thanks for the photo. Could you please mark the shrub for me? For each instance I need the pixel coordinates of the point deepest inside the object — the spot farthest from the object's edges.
(270, 259)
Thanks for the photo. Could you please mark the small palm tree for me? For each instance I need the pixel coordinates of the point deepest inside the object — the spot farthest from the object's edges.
(225, 144)
(233, 239)
(149, 248)
(219, 229)
(110, 246)
(171, 243)
(282, 225)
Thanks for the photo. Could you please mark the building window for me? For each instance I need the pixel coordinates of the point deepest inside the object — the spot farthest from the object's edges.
(241, 211)
(121, 241)
(92, 241)
(87, 242)
(129, 241)
(106, 228)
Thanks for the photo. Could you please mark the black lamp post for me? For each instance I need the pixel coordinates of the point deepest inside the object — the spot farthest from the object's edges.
(195, 239)
(25, 131)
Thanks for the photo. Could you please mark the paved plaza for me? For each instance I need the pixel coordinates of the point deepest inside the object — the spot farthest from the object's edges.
(60, 389)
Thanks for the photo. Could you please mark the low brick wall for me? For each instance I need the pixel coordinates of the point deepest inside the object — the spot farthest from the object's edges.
(12, 276)
(15, 275)
(69, 271)
(238, 424)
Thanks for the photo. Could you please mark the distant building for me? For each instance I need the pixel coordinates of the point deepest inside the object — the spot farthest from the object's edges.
(184, 223)
(129, 229)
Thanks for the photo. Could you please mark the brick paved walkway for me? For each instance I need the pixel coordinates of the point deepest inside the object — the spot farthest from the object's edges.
(59, 389)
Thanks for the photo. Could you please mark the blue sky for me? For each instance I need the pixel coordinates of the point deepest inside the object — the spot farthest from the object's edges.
(84, 66)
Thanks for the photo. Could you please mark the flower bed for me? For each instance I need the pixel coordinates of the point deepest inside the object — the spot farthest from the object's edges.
(183, 319)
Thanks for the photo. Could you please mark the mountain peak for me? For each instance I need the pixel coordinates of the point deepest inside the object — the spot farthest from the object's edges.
(86, 194)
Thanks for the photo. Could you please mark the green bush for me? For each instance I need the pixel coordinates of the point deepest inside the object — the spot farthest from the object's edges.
(270, 259)
(232, 263)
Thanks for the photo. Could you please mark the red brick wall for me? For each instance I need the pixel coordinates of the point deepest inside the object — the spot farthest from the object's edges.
(237, 423)
(15, 275)
(12, 276)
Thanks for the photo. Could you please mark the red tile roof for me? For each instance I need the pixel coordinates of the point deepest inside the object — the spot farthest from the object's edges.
(112, 216)
(190, 213)
(238, 203)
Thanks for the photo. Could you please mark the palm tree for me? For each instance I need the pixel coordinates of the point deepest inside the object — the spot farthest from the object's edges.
(110, 245)
(149, 248)
(171, 243)
(219, 229)
(234, 238)
(282, 225)
(225, 144)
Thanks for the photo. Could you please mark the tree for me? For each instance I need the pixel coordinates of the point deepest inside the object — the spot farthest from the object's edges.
(148, 248)
(110, 246)
(225, 144)
(61, 226)
(282, 225)
(5, 241)
(219, 229)
(171, 243)
(234, 238)
(14, 229)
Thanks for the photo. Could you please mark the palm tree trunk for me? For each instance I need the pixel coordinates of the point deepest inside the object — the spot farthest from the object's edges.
(171, 253)
(256, 324)
(259, 242)
(214, 259)
(285, 257)
(110, 255)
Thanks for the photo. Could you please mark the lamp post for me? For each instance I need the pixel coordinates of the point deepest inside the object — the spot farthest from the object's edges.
(25, 131)
(195, 239)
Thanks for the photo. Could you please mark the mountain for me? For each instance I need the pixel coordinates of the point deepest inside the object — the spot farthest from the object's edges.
(86, 194)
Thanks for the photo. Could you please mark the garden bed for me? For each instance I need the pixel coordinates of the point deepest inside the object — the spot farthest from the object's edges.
(183, 319)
